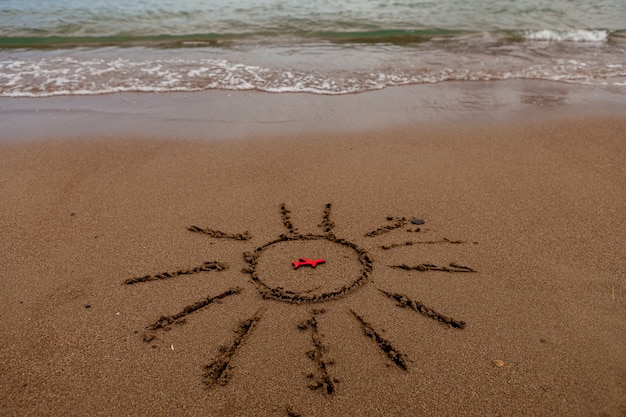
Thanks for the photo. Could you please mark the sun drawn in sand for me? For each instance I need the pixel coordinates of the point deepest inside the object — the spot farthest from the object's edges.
(284, 282)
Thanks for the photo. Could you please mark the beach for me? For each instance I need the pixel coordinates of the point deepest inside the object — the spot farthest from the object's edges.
(473, 238)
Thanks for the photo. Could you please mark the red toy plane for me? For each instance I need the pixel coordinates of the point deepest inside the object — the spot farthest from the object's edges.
(305, 261)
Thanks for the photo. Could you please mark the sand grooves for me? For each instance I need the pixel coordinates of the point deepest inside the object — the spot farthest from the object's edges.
(165, 322)
(398, 222)
(393, 353)
(217, 372)
(286, 215)
(321, 378)
(452, 267)
(220, 235)
(327, 225)
(444, 240)
(404, 301)
(205, 267)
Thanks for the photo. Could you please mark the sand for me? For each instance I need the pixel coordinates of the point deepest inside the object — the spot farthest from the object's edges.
(147, 253)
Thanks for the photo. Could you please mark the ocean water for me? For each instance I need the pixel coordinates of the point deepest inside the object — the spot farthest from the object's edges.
(71, 47)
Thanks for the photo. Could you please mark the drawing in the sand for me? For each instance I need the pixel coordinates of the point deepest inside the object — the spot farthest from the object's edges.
(320, 284)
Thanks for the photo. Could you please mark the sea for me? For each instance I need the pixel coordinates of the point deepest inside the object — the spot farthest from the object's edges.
(331, 47)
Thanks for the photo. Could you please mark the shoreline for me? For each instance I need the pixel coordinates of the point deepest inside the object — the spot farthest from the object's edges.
(224, 115)
(524, 188)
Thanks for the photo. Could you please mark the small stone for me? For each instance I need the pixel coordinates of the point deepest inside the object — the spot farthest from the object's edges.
(499, 363)
(87, 305)
(417, 221)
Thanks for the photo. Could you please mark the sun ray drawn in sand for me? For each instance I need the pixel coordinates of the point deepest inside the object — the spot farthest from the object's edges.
(289, 287)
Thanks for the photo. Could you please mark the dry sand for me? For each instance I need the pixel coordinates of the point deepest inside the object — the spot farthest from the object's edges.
(515, 306)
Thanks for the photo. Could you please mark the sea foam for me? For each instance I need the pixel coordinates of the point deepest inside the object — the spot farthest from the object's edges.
(569, 35)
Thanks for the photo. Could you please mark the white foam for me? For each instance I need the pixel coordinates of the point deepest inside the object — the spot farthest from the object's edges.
(568, 35)
(65, 76)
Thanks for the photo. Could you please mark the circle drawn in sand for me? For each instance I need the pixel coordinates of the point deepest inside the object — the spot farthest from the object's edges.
(351, 268)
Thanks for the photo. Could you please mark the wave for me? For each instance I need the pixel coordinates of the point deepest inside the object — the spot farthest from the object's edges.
(53, 42)
(387, 36)
(71, 76)
(280, 37)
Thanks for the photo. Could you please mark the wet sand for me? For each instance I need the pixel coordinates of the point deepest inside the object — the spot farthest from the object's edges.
(474, 256)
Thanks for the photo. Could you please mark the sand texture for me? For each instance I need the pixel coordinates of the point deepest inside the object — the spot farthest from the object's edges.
(470, 270)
